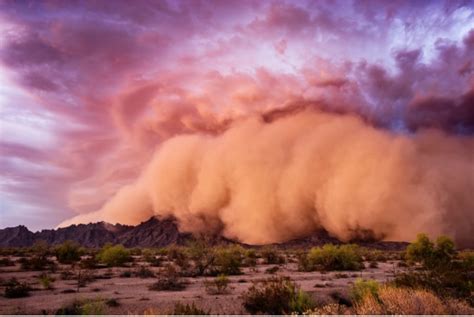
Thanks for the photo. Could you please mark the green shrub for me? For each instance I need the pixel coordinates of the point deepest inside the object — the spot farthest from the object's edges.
(202, 257)
(271, 255)
(218, 285)
(83, 307)
(277, 296)
(423, 250)
(335, 258)
(37, 263)
(228, 260)
(15, 289)
(68, 252)
(116, 255)
(362, 288)
(250, 258)
(46, 281)
(179, 256)
(186, 309)
(467, 260)
(454, 282)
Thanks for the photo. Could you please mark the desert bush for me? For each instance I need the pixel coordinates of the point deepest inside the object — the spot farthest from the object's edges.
(218, 285)
(272, 270)
(126, 274)
(83, 277)
(46, 281)
(144, 272)
(67, 275)
(150, 256)
(170, 281)
(250, 258)
(202, 257)
(228, 260)
(271, 255)
(374, 255)
(429, 254)
(186, 309)
(68, 252)
(112, 302)
(15, 289)
(90, 262)
(392, 300)
(37, 263)
(335, 258)
(443, 271)
(445, 283)
(329, 309)
(467, 260)
(6, 262)
(40, 248)
(179, 256)
(277, 295)
(116, 255)
(361, 288)
(83, 307)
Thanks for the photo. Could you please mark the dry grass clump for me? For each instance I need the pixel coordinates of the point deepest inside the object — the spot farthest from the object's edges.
(217, 286)
(276, 296)
(392, 300)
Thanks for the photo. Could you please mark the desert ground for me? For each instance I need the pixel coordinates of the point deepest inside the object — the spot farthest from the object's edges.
(126, 288)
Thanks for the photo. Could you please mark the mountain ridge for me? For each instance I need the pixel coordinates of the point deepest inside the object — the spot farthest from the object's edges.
(152, 233)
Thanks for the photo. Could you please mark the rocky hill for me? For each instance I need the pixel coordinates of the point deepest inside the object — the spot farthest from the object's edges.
(151, 233)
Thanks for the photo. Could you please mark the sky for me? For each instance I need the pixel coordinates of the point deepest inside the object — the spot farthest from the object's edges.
(90, 89)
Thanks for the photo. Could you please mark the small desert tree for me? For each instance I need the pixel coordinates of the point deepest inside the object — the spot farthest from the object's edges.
(116, 255)
(68, 252)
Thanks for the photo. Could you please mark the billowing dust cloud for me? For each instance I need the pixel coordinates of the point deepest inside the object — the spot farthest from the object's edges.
(262, 182)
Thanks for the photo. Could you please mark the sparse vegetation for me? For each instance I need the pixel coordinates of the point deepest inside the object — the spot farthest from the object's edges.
(277, 296)
(83, 307)
(432, 274)
(6, 262)
(441, 271)
(144, 272)
(186, 309)
(431, 255)
(116, 255)
(15, 289)
(392, 300)
(332, 258)
(219, 285)
(228, 260)
(361, 288)
(68, 252)
(46, 281)
(170, 281)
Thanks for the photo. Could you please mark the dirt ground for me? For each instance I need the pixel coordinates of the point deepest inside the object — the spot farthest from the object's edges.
(134, 297)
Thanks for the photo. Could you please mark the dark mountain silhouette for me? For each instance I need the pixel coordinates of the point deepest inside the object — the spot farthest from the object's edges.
(151, 233)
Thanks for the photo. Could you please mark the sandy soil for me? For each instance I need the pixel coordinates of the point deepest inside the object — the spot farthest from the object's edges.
(134, 296)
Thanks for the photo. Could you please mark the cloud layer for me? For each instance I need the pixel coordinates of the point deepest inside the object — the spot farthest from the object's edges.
(91, 89)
